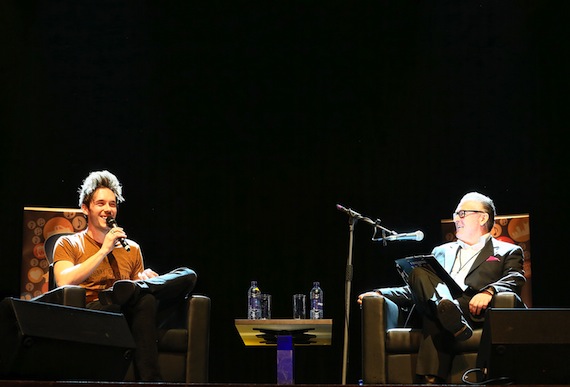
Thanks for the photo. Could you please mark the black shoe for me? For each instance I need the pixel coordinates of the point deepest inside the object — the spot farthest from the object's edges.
(122, 292)
(452, 320)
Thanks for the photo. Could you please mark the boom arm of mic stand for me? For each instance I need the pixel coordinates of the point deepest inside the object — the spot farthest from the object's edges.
(377, 226)
(355, 215)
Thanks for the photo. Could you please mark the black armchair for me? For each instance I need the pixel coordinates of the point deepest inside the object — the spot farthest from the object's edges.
(389, 351)
(183, 344)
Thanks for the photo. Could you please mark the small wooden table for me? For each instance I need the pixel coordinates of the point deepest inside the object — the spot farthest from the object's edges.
(285, 334)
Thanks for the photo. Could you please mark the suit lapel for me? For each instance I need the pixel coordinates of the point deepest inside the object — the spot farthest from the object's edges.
(450, 255)
(485, 253)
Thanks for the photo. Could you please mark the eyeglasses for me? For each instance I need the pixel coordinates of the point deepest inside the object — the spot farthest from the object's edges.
(463, 213)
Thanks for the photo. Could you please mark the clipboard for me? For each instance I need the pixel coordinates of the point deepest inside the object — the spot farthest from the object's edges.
(406, 265)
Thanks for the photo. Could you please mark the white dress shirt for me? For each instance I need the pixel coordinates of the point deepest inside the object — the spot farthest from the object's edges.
(464, 259)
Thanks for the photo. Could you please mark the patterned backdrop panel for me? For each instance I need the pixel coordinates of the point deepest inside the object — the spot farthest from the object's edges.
(39, 224)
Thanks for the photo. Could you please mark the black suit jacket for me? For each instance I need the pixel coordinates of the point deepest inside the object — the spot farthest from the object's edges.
(498, 265)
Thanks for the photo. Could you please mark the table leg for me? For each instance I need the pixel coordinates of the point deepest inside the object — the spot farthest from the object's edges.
(285, 361)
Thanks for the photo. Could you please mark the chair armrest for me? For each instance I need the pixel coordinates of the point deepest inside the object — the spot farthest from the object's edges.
(378, 315)
(507, 300)
(198, 325)
(69, 295)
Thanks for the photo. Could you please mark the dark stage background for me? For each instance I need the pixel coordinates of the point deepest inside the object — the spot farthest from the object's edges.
(236, 127)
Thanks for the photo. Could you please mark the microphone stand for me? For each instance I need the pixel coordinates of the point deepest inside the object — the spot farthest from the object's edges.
(348, 281)
(352, 219)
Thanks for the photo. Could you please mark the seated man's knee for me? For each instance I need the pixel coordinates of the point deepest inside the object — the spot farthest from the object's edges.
(185, 271)
(418, 274)
(185, 277)
(189, 274)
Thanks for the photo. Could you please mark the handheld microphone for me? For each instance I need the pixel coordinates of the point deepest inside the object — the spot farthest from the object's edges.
(111, 222)
(409, 236)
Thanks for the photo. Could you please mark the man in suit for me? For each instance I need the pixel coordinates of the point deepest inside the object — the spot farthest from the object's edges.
(482, 265)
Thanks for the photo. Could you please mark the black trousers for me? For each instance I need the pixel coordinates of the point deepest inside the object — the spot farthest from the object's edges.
(148, 311)
(437, 347)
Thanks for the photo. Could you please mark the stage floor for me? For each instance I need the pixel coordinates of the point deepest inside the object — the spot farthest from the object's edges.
(33, 383)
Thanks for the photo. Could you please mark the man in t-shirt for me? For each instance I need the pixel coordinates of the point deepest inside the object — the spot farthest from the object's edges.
(111, 269)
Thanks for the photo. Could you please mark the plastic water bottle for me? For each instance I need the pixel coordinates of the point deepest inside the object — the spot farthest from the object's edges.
(317, 301)
(254, 302)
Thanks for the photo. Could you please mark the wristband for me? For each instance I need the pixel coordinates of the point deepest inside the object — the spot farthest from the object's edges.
(489, 292)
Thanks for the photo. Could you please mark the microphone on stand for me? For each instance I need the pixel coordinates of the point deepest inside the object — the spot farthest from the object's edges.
(111, 222)
(387, 235)
(408, 236)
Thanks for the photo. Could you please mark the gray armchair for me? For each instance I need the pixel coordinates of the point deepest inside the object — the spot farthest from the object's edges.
(389, 351)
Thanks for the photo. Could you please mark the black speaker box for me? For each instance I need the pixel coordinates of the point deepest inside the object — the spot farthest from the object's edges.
(40, 341)
(525, 346)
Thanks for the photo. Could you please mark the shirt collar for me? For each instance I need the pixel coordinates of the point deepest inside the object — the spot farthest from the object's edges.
(477, 246)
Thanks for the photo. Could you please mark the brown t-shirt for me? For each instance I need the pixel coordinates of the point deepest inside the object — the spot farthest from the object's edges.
(77, 248)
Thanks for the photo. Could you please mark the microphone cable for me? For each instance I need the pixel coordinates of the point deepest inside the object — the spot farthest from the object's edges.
(503, 380)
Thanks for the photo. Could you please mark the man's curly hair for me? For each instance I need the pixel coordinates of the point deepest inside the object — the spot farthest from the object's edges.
(99, 179)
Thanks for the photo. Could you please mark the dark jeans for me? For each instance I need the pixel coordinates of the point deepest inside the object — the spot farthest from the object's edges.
(152, 307)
